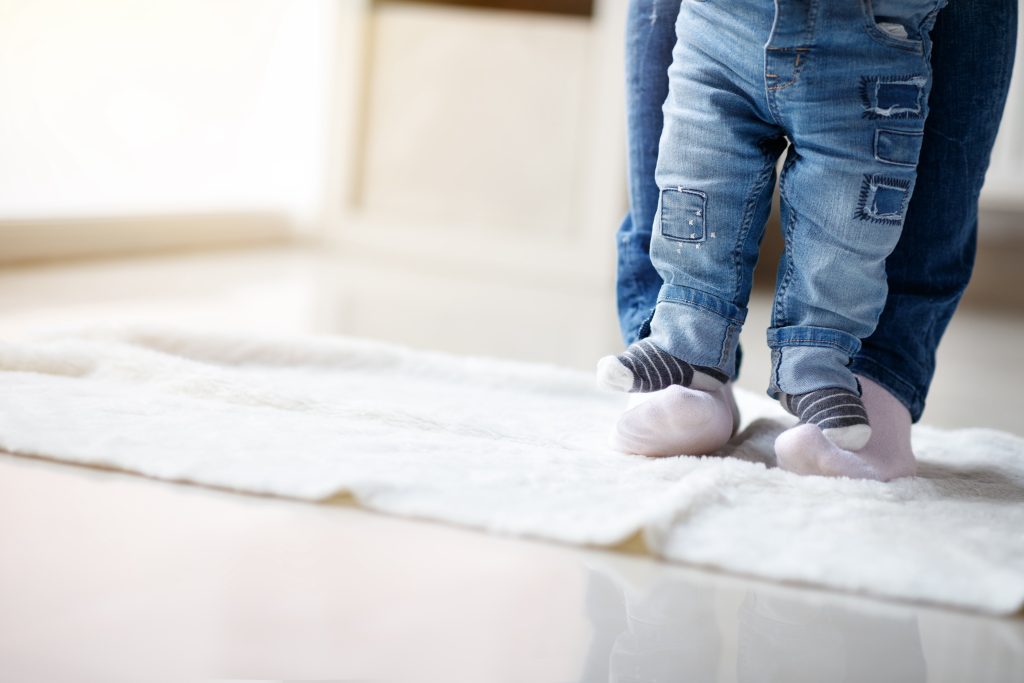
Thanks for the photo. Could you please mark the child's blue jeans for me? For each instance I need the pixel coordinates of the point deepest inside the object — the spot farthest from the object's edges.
(840, 94)
(851, 99)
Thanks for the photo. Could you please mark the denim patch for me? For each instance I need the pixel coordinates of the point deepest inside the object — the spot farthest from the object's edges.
(682, 214)
(883, 199)
(893, 97)
(897, 147)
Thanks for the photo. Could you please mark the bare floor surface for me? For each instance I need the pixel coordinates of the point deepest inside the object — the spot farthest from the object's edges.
(108, 576)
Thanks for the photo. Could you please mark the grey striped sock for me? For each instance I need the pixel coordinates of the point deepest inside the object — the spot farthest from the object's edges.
(839, 413)
(654, 369)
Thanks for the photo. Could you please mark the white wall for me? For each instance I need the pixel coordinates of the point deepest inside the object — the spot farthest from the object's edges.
(488, 184)
(151, 106)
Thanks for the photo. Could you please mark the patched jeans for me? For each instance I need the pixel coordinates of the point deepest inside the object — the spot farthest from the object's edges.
(847, 88)
(972, 61)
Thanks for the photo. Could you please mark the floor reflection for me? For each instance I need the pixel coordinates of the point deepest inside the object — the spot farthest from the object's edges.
(654, 623)
(785, 641)
(664, 632)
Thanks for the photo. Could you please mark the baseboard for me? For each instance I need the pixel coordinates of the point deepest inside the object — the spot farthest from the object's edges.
(47, 239)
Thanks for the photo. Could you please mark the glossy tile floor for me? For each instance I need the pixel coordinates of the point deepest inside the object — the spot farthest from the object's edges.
(108, 576)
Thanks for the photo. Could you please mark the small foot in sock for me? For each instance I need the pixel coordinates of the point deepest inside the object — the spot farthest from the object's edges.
(677, 421)
(887, 454)
(644, 367)
(838, 413)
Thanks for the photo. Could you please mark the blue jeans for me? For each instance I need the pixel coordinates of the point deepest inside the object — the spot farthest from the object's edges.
(971, 63)
(852, 100)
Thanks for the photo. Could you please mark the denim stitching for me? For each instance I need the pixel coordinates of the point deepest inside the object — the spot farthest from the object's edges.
(779, 305)
(705, 307)
(870, 101)
(812, 18)
(748, 218)
(727, 344)
(815, 343)
(702, 214)
(798, 66)
(880, 36)
(878, 133)
(872, 181)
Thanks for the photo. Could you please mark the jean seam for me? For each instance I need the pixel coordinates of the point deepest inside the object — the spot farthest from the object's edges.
(813, 343)
(747, 220)
(779, 306)
(727, 343)
(798, 67)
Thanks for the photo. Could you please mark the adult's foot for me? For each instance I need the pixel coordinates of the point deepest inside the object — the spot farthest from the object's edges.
(804, 449)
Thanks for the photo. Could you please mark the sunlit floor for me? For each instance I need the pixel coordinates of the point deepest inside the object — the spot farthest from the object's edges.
(106, 575)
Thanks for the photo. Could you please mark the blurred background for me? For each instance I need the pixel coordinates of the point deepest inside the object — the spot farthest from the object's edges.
(442, 174)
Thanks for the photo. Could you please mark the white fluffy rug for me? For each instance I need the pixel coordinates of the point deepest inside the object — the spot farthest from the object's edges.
(514, 449)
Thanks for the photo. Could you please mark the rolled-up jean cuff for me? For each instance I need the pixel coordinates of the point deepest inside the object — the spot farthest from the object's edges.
(698, 328)
(904, 391)
(806, 335)
(806, 358)
(700, 299)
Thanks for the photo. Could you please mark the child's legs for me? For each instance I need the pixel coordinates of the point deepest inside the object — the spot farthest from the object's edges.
(855, 106)
(715, 173)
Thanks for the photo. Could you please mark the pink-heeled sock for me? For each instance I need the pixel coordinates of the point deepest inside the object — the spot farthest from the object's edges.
(804, 449)
(677, 421)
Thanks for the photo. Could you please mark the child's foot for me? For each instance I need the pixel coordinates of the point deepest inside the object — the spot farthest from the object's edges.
(643, 367)
(678, 421)
(887, 455)
(838, 413)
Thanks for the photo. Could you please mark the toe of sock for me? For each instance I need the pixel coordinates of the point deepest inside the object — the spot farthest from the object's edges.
(805, 450)
(852, 438)
(675, 421)
(612, 374)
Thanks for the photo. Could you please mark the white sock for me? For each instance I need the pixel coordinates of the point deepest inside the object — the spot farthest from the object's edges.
(804, 449)
(677, 421)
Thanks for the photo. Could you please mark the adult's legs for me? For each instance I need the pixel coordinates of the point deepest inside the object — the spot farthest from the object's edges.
(650, 37)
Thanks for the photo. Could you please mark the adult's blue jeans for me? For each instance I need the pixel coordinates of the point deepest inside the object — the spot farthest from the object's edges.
(972, 57)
